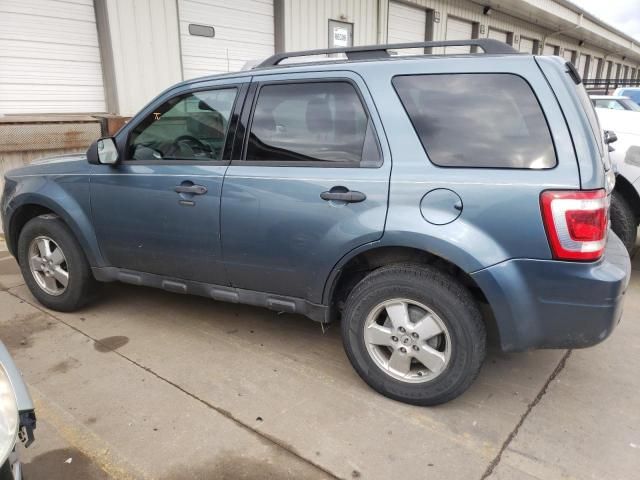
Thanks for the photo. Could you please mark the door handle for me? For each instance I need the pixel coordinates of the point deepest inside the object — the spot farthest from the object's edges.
(193, 189)
(343, 194)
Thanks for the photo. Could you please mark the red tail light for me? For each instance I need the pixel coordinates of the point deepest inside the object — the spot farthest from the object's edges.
(576, 223)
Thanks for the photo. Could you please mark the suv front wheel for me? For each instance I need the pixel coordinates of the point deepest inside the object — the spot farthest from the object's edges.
(414, 334)
(53, 264)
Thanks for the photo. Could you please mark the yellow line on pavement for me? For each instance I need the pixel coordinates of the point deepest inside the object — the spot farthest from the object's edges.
(82, 438)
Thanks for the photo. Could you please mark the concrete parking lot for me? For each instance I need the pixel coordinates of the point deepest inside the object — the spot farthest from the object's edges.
(153, 385)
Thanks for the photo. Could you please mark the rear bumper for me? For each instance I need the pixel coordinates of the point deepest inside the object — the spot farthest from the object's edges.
(555, 304)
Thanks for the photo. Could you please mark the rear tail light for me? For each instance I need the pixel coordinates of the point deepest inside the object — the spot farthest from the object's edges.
(576, 223)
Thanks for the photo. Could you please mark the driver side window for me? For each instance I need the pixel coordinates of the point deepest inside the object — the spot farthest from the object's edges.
(187, 127)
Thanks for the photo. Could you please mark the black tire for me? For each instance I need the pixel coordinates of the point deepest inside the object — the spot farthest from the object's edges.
(448, 299)
(81, 284)
(5, 471)
(623, 221)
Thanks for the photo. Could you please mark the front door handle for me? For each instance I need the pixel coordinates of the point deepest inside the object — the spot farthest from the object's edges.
(343, 194)
(193, 189)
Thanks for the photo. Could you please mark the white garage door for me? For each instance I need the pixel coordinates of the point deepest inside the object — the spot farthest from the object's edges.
(526, 45)
(593, 67)
(582, 63)
(549, 49)
(243, 32)
(406, 24)
(568, 54)
(458, 30)
(497, 35)
(49, 57)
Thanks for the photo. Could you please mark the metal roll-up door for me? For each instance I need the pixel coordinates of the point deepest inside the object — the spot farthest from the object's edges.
(406, 24)
(593, 67)
(526, 45)
(549, 49)
(498, 35)
(568, 54)
(458, 29)
(49, 58)
(243, 32)
(582, 63)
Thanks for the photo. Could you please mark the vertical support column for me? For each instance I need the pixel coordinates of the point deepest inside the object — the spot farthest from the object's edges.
(106, 56)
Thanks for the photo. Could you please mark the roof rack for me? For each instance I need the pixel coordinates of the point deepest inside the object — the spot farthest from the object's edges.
(488, 45)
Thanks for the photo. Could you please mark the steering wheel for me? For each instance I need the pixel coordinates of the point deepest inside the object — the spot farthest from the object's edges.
(192, 143)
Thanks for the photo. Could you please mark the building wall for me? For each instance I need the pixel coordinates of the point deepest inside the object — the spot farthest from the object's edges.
(306, 22)
(115, 55)
(143, 54)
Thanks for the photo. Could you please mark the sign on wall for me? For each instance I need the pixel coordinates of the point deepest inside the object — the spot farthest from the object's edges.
(340, 34)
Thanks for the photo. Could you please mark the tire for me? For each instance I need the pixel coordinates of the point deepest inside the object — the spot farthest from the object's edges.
(623, 221)
(5, 471)
(457, 315)
(80, 282)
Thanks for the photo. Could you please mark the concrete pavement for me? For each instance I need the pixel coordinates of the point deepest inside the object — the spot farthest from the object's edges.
(148, 384)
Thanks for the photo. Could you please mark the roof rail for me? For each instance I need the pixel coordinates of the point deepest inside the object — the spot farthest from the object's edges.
(488, 45)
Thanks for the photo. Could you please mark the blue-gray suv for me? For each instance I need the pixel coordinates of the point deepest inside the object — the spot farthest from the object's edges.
(420, 200)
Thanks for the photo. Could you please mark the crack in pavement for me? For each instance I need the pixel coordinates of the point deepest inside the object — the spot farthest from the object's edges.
(494, 463)
(225, 413)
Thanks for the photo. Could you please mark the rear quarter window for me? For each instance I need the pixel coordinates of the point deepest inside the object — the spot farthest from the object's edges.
(477, 120)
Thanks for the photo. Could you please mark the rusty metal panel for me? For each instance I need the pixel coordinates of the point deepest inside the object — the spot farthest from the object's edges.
(37, 136)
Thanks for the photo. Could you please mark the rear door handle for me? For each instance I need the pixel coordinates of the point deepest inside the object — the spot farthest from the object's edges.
(193, 189)
(342, 194)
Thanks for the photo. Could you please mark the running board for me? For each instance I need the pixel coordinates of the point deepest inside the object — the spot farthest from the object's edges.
(222, 293)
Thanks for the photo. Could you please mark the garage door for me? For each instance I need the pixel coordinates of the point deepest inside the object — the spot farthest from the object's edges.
(550, 49)
(568, 54)
(526, 45)
(406, 24)
(243, 33)
(593, 67)
(49, 57)
(498, 35)
(582, 63)
(458, 30)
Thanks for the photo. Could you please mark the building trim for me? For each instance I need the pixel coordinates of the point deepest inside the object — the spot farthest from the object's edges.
(106, 56)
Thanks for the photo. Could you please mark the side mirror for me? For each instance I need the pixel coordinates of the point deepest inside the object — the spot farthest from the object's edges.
(103, 152)
(610, 137)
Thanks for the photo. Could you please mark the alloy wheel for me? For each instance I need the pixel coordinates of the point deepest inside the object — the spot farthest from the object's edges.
(48, 265)
(407, 340)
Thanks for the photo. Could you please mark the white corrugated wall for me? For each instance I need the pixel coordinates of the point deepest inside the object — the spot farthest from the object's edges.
(49, 57)
(306, 22)
(146, 52)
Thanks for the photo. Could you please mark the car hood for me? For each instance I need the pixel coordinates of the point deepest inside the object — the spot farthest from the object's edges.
(620, 121)
(59, 164)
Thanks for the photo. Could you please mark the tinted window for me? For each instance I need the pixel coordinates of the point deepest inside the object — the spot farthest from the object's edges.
(187, 127)
(302, 122)
(591, 116)
(477, 120)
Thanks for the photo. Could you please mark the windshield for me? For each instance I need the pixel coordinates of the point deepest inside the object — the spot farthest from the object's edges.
(632, 94)
(630, 105)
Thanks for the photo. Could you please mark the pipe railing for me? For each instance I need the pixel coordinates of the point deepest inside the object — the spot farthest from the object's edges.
(609, 84)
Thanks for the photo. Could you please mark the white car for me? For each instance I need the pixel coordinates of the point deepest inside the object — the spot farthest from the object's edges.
(622, 116)
(631, 92)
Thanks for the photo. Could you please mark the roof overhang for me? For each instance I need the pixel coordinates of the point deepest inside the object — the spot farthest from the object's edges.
(562, 18)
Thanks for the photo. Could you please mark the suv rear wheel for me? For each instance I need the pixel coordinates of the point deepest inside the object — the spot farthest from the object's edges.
(414, 334)
(53, 264)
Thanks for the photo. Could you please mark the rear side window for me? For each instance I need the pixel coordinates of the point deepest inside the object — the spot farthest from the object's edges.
(312, 122)
(477, 120)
